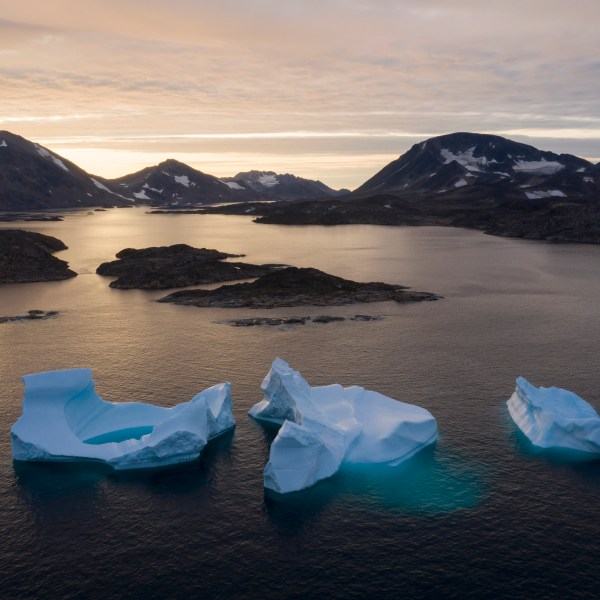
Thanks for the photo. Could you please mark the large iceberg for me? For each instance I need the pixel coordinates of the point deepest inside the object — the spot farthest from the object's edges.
(323, 427)
(554, 418)
(64, 419)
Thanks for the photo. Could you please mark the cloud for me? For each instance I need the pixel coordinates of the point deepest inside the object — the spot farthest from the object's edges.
(261, 71)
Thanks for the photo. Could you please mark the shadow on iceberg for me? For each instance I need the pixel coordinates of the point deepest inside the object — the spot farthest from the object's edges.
(65, 420)
(325, 427)
(558, 456)
(554, 423)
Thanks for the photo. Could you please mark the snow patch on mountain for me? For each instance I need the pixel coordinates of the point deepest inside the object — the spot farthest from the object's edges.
(233, 185)
(545, 194)
(460, 183)
(151, 189)
(141, 195)
(466, 159)
(3, 144)
(538, 167)
(45, 154)
(268, 180)
(100, 186)
(182, 179)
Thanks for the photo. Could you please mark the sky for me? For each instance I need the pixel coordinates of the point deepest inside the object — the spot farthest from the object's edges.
(325, 89)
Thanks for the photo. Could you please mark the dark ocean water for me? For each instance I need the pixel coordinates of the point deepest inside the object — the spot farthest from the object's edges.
(480, 514)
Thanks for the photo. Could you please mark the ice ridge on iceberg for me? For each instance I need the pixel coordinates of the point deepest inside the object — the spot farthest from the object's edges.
(323, 427)
(554, 418)
(64, 419)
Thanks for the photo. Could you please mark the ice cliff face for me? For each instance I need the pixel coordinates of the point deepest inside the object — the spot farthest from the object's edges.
(64, 419)
(554, 418)
(323, 427)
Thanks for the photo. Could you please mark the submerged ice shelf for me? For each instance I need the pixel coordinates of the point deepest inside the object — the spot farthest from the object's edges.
(554, 418)
(323, 427)
(64, 419)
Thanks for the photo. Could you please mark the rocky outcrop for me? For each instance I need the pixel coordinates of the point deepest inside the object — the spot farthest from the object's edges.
(26, 256)
(276, 321)
(293, 286)
(165, 267)
(32, 315)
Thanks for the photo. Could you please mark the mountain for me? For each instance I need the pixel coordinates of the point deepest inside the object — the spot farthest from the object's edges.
(173, 182)
(268, 185)
(177, 184)
(461, 163)
(33, 177)
(469, 180)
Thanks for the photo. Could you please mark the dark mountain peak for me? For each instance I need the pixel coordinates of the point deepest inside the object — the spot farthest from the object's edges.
(175, 183)
(253, 174)
(267, 185)
(171, 164)
(467, 160)
(33, 177)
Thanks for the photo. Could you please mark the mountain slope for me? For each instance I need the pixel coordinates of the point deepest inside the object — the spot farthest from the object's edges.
(271, 185)
(459, 162)
(173, 182)
(33, 177)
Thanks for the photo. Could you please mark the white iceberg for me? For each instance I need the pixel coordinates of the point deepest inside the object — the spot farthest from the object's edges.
(554, 418)
(64, 419)
(326, 426)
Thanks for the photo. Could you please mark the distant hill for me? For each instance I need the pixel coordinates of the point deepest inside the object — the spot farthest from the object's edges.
(273, 186)
(33, 177)
(173, 182)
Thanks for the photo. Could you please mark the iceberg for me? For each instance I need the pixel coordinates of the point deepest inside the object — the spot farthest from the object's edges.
(554, 418)
(324, 427)
(64, 419)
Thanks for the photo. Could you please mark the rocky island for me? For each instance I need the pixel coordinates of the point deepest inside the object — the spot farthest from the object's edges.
(26, 256)
(293, 286)
(165, 267)
(32, 315)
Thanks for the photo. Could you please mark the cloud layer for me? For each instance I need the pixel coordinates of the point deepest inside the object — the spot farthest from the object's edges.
(324, 89)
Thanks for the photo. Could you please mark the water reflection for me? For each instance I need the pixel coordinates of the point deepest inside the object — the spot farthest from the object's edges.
(429, 483)
(558, 456)
(426, 484)
(54, 489)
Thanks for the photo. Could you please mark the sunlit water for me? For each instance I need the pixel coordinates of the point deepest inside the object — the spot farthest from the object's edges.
(481, 514)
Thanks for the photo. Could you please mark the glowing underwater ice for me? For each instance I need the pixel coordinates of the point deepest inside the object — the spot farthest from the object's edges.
(64, 419)
(323, 427)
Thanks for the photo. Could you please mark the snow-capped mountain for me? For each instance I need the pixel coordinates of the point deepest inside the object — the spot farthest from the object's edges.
(173, 182)
(273, 186)
(33, 177)
(469, 180)
(467, 163)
